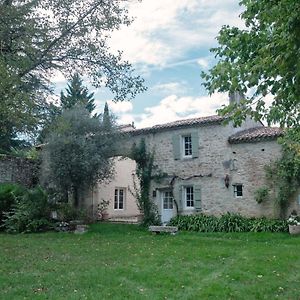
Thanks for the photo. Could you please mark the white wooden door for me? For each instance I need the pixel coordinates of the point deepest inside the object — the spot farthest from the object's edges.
(167, 208)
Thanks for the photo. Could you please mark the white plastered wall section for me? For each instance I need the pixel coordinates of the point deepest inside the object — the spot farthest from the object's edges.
(123, 179)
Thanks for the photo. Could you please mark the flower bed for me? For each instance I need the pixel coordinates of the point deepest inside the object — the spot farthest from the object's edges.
(228, 223)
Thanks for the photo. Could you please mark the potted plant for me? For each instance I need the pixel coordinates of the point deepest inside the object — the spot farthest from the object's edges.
(294, 223)
(102, 210)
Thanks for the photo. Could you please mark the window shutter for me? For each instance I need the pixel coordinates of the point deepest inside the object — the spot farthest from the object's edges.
(195, 144)
(178, 196)
(197, 197)
(176, 146)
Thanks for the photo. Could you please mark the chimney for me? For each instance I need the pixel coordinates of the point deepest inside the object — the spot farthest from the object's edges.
(236, 97)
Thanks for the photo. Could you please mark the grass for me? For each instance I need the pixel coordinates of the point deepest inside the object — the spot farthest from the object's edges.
(125, 262)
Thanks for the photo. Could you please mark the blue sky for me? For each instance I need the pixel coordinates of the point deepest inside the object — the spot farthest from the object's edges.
(168, 45)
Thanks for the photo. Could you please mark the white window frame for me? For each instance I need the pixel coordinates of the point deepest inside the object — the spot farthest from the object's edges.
(235, 190)
(183, 146)
(191, 197)
(117, 196)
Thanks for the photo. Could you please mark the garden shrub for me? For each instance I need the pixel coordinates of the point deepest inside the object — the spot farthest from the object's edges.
(261, 194)
(8, 194)
(29, 213)
(67, 212)
(233, 223)
(228, 223)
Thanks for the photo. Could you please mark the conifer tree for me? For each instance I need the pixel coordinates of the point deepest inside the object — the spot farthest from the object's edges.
(107, 121)
(77, 94)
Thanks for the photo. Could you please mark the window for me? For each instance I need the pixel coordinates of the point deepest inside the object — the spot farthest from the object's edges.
(119, 198)
(238, 190)
(187, 146)
(167, 200)
(189, 196)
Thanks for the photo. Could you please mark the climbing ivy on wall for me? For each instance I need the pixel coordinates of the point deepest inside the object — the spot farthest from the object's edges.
(284, 174)
(145, 173)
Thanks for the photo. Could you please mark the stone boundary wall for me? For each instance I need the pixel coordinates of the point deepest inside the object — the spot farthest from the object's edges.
(18, 170)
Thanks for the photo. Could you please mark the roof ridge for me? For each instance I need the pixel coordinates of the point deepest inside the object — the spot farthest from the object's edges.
(255, 134)
(182, 123)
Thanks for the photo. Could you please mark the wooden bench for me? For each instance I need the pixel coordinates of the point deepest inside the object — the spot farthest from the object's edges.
(159, 229)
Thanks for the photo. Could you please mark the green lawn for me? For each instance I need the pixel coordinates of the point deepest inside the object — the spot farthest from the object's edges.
(124, 262)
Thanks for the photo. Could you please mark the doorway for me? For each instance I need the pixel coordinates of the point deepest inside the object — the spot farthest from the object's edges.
(167, 206)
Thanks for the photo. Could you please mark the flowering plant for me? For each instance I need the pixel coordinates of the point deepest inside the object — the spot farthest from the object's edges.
(101, 210)
(293, 220)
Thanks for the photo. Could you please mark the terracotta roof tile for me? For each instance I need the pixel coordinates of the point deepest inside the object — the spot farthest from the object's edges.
(181, 124)
(255, 134)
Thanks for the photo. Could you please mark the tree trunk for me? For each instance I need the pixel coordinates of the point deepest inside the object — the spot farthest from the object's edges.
(76, 197)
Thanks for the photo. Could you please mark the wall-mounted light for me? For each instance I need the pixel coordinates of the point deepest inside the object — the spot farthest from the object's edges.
(226, 180)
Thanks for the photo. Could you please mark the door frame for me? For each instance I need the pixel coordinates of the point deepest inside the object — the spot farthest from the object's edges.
(170, 210)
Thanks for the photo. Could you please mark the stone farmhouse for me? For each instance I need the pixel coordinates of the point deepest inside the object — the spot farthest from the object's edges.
(211, 168)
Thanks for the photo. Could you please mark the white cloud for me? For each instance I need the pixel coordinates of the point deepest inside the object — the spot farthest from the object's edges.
(119, 107)
(203, 63)
(164, 30)
(174, 108)
(126, 119)
(58, 77)
(170, 88)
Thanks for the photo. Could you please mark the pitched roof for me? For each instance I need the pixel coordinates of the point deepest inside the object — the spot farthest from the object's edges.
(181, 124)
(256, 134)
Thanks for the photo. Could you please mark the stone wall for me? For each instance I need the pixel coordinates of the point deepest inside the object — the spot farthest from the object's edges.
(17, 170)
(243, 163)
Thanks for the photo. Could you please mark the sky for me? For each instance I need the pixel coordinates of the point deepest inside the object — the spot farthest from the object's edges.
(168, 45)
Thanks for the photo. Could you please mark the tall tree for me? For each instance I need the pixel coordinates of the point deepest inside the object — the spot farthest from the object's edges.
(39, 38)
(107, 118)
(77, 93)
(77, 152)
(262, 59)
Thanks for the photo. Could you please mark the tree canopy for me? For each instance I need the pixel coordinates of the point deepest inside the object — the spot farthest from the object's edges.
(76, 94)
(262, 59)
(77, 152)
(41, 37)
(284, 173)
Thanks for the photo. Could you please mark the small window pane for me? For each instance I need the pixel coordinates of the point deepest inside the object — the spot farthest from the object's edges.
(119, 199)
(167, 200)
(116, 199)
(189, 196)
(165, 203)
(238, 190)
(187, 145)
